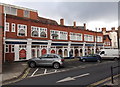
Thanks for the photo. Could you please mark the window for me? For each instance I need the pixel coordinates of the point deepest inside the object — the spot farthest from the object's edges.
(54, 34)
(7, 49)
(43, 34)
(35, 33)
(22, 30)
(13, 27)
(12, 48)
(21, 33)
(99, 39)
(13, 11)
(75, 36)
(38, 32)
(10, 10)
(63, 35)
(26, 13)
(7, 26)
(88, 37)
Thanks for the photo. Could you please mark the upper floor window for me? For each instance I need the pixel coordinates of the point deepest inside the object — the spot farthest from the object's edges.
(75, 36)
(10, 10)
(6, 26)
(99, 39)
(54, 34)
(13, 27)
(43, 32)
(88, 37)
(22, 30)
(63, 35)
(38, 32)
(26, 13)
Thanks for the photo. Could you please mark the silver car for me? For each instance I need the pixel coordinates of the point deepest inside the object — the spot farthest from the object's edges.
(47, 60)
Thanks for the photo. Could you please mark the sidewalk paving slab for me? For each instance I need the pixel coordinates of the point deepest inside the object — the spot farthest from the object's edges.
(13, 70)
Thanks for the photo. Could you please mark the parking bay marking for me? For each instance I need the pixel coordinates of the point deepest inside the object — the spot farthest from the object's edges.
(34, 72)
(72, 78)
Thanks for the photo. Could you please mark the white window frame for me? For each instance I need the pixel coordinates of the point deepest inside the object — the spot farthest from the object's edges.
(18, 29)
(7, 26)
(28, 13)
(6, 47)
(12, 47)
(10, 10)
(13, 27)
(54, 33)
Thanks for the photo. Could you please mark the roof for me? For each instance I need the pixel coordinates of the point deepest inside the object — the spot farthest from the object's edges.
(47, 21)
(40, 19)
(106, 36)
(77, 27)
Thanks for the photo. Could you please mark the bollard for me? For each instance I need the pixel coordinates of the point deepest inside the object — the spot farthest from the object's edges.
(112, 75)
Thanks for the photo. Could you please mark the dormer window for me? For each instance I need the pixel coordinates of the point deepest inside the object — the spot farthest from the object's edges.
(10, 10)
(26, 13)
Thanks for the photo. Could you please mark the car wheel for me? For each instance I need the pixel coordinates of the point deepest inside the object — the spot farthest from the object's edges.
(56, 65)
(115, 59)
(32, 64)
(83, 60)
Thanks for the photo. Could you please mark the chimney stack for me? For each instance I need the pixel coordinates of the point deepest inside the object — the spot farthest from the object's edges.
(104, 31)
(61, 21)
(113, 28)
(85, 26)
(74, 24)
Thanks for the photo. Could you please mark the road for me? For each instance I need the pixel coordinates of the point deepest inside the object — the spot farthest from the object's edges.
(77, 76)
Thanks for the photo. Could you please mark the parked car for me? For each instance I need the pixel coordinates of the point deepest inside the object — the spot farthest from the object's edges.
(47, 60)
(90, 57)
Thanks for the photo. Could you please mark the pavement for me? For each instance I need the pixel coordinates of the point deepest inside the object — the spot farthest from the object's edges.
(13, 70)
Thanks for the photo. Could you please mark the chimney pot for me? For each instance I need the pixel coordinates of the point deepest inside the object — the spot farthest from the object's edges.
(113, 28)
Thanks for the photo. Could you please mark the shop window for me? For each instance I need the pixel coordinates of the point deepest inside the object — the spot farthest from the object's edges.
(12, 48)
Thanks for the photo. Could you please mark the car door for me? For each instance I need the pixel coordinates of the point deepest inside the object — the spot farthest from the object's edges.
(42, 59)
(49, 60)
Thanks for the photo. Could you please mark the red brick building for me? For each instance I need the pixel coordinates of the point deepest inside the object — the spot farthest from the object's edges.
(27, 35)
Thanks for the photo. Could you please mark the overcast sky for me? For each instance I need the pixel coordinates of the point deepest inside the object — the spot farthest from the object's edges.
(95, 14)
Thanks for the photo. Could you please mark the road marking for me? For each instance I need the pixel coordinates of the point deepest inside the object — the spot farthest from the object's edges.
(55, 70)
(45, 71)
(104, 80)
(72, 78)
(34, 72)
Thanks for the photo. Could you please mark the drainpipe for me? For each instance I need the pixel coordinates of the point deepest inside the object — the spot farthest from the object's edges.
(4, 34)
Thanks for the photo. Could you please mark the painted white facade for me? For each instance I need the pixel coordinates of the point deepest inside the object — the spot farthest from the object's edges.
(113, 37)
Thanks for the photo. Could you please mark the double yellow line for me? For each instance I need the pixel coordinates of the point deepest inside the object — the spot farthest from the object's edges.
(104, 80)
(22, 77)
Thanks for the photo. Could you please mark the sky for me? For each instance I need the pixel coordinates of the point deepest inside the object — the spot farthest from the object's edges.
(95, 13)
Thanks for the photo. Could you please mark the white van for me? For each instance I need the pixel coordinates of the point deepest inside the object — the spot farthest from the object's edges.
(109, 53)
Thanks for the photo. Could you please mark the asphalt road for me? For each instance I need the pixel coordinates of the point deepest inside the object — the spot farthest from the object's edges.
(77, 76)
